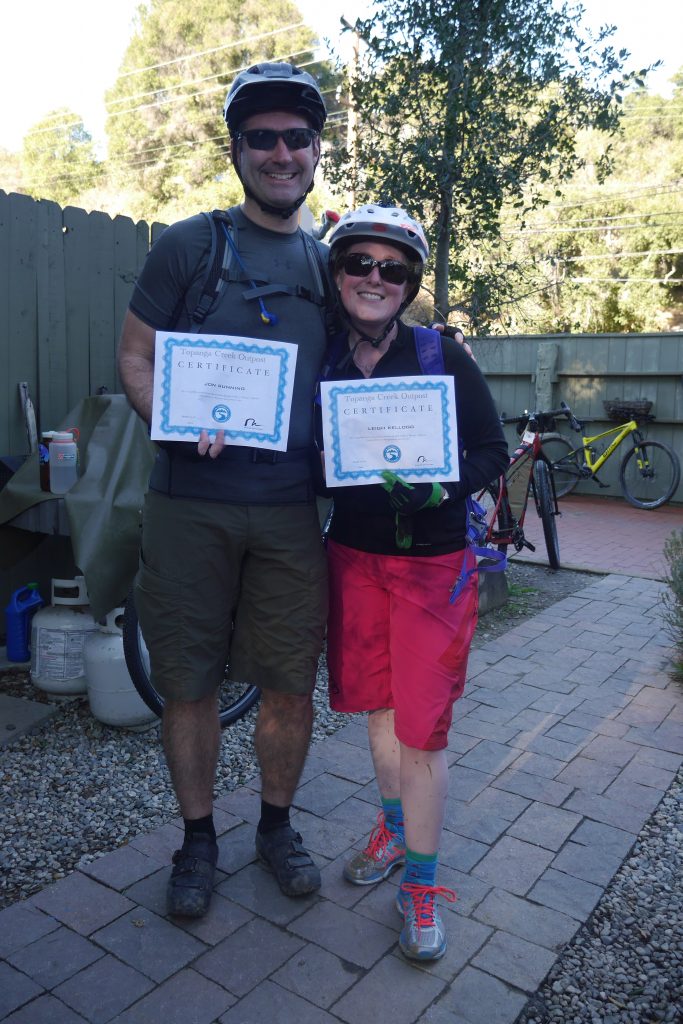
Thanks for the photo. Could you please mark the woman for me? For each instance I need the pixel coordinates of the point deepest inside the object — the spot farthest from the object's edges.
(397, 648)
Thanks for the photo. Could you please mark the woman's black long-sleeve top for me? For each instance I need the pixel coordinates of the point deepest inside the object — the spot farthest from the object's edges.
(363, 518)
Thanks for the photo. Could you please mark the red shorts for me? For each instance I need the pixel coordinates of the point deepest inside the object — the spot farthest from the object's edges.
(395, 641)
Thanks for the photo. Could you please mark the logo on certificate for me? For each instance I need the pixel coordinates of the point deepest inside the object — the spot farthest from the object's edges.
(220, 413)
(392, 453)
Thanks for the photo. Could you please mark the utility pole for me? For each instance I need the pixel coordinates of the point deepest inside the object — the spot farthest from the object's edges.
(352, 122)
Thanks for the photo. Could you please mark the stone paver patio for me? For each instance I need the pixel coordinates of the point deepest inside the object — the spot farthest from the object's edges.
(570, 733)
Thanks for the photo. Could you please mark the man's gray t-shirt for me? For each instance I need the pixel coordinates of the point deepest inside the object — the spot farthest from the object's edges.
(171, 280)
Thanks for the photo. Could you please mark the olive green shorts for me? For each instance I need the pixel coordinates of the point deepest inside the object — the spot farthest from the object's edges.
(243, 585)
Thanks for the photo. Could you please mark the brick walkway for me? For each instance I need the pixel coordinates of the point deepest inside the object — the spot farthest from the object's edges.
(569, 735)
(608, 535)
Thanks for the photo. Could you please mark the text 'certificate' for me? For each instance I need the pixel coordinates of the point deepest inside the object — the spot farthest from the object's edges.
(406, 424)
(218, 382)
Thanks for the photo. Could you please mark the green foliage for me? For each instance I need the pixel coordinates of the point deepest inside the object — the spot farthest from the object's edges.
(467, 110)
(613, 252)
(673, 598)
(168, 144)
(58, 160)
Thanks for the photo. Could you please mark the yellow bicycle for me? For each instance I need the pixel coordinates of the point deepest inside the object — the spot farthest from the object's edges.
(649, 473)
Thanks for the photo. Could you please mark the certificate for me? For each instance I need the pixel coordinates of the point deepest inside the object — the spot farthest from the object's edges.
(406, 424)
(219, 382)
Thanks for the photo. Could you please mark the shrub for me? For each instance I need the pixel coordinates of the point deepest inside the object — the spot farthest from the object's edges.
(673, 598)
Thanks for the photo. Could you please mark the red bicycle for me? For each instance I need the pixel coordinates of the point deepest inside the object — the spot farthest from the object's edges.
(530, 473)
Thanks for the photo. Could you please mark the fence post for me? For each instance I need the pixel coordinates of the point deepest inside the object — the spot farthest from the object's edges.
(546, 370)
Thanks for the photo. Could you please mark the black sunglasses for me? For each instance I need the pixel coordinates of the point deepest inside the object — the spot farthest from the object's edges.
(359, 264)
(267, 138)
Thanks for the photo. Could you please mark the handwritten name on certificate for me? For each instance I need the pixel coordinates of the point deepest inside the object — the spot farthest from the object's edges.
(219, 382)
(406, 424)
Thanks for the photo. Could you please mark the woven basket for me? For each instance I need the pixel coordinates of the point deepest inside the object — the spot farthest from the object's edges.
(622, 409)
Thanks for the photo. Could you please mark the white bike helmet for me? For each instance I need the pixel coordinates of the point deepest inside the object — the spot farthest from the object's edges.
(384, 224)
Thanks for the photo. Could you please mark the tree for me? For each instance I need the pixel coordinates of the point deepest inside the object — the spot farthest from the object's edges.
(615, 250)
(10, 171)
(466, 106)
(167, 138)
(58, 160)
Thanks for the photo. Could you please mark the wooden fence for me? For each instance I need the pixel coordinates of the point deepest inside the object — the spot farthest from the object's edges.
(66, 277)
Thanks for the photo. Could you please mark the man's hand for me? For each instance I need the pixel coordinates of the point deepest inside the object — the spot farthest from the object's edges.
(213, 446)
(407, 499)
(456, 333)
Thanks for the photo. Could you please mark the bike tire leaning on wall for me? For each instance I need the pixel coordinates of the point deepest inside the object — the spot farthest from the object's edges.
(234, 699)
(657, 483)
(545, 505)
(565, 462)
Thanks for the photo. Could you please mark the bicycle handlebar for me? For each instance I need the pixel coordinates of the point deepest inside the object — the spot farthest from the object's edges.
(537, 418)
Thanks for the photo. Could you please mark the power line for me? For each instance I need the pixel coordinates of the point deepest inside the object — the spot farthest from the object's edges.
(626, 280)
(175, 99)
(619, 255)
(245, 40)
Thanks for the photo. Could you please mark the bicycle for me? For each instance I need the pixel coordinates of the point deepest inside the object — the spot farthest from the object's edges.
(529, 473)
(649, 473)
(234, 699)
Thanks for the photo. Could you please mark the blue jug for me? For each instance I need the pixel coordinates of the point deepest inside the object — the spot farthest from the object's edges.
(18, 614)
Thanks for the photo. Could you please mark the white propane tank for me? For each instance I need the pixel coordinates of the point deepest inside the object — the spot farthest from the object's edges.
(111, 693)
(58, 636)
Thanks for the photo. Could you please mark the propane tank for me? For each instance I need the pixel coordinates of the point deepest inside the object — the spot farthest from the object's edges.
(58, 635)
(111, 693)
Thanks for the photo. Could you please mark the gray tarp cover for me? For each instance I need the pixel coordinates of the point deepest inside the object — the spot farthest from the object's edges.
(104, 507)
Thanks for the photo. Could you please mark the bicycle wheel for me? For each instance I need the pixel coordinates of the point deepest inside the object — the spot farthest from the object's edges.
(544, 504)
(234, 699)
(498, 516)
(649, 474)
(565, 462)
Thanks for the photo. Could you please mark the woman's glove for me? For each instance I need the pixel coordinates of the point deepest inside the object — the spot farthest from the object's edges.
(407, 499)
(411, 498)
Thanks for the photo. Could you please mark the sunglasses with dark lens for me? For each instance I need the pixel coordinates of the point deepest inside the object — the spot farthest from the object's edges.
(267, 138)
(359, 264)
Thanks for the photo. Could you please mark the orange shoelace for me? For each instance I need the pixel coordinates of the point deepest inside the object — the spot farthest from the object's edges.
(423, 898)
(380, 837)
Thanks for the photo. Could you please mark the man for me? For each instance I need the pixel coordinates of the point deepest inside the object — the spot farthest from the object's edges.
(231, 559)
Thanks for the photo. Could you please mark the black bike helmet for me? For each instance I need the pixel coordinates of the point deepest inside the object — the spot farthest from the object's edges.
(273, 86)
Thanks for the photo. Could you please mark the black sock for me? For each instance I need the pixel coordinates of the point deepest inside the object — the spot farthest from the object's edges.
(200, 826)
(272, 817)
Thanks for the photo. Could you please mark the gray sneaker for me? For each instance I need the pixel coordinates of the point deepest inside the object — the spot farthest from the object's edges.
(423, 936)
(384, 852)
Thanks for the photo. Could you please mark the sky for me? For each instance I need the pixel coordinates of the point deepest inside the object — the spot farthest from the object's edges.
(67, 54)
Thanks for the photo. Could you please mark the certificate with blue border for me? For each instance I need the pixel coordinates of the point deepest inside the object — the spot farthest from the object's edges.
(406, 424)
(242, 386)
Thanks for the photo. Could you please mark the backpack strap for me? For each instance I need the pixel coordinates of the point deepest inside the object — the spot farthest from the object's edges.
(430, 356)
(476, 547)
(429, 350)
(321, 278)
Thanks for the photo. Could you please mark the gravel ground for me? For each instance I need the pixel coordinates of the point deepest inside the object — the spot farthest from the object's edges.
(78, 788)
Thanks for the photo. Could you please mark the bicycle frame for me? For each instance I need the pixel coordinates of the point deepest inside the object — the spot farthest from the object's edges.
(594, 464)
(516, 485)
